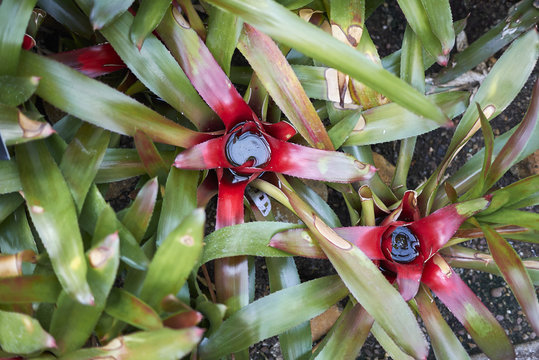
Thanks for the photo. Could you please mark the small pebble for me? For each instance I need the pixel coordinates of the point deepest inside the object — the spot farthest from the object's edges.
(497, 292)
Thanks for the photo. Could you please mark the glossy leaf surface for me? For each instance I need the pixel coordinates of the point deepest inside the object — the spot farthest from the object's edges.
(392, 122)
(53, 214)
(22, 334)
(104, 11)
(176, 257)
(81, 160)
(138, 216)
(73, 323)
(130, 309)
(273, 314)
(249, 239)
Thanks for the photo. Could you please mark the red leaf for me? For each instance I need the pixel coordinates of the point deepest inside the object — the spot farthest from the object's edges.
(230, 200)
(92, 61)
(309, 163)
(207, 155)
(435, 230)
(204, 72)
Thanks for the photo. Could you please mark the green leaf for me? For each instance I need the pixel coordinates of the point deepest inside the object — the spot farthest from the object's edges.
(513, 194)
(138, 215)
(522, 16)
(310, 196)
(393, 122)
(296, 342)
(223, 33)
(488, 135)
(281, 83)
(15, 233)
(176, 257)
(512, 217)
(516, 143)
(148, 16)
(104, 11)
(244, 239)
(17, 128)
(522, 55)
(130, 251)
(392, 349)
(9, 177)
(347, 336)
(466, 258)
(287, 28)
(150, 156)
(441, 20)
(8, 204)
(68, 14)
(22, 334)
(465, 177)
(73, 323)
(14, 90)
(162, 344)
(509, 73)
(340, 132)
(515, 274)
(119, 164)
(101, 105)
(157, 69)
(444, 342)
(53, 214)
(14, 16)
(272, 315)
(130, 309)
(417, 18)
(180, 200)
(81, 160)
(29, 289)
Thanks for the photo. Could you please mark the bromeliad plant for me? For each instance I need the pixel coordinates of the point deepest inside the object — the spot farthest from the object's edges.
(79, 280)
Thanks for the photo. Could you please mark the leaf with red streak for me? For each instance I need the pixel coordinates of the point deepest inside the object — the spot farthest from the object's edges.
(201, 68)
(515, 274)
(444, 342)
(436, 229)
(467, 308)
(284, 87)
(29, 289)
(150, 157)
(132, 310)
(516, 143)
(304, 162)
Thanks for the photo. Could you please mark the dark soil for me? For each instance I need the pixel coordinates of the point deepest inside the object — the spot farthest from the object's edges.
(386, 27)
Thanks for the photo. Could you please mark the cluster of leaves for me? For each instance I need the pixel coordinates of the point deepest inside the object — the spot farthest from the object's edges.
(81, 281)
